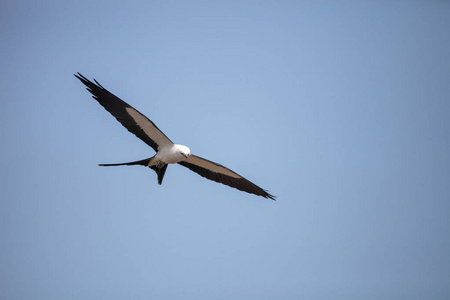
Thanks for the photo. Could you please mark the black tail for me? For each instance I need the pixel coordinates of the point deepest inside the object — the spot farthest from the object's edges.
(159, 171)
(143, 162)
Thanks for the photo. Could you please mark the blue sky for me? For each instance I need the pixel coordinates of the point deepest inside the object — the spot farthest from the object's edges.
(339, 108)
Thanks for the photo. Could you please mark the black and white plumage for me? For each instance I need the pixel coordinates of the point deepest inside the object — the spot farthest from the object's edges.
(166, 151)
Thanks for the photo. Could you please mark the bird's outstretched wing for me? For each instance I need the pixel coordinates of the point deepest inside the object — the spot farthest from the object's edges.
(221, 174)
(128, 116)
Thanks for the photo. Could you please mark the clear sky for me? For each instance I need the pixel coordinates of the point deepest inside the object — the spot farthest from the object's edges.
(339, 108)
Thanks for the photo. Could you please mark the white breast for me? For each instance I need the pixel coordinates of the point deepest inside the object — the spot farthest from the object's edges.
(171, 154)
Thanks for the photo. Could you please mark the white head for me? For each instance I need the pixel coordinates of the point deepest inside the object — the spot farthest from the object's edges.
(184, 151)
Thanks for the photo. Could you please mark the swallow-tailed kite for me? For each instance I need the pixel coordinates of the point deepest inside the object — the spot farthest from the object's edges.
(166, 151)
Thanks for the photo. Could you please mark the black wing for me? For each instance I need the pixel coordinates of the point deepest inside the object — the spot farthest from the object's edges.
(221, 174)
(133, 120)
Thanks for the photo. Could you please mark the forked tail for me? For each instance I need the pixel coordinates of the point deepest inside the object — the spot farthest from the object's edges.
(143, 162)
(159, 169)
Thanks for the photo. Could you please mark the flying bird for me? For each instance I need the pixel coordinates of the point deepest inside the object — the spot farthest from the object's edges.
(166, 151)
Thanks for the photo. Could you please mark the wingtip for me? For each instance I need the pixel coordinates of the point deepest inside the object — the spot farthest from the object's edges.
(79, 76)
(98, 84)
(271, 197)
(83, 79)
(87, 81)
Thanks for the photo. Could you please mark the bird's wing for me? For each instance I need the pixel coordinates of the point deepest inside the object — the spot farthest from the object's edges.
(133, 120)
(221, 174)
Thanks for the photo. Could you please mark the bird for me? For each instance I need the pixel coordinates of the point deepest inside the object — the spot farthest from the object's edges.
(167, 152)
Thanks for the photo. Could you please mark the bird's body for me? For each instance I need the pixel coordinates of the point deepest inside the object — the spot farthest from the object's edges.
(166, 151)
(170, 154)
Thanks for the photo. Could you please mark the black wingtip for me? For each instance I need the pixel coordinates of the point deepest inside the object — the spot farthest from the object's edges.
(269, 196)
(98, 84)
(87, 81)
(81, 77)
(83, 80)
